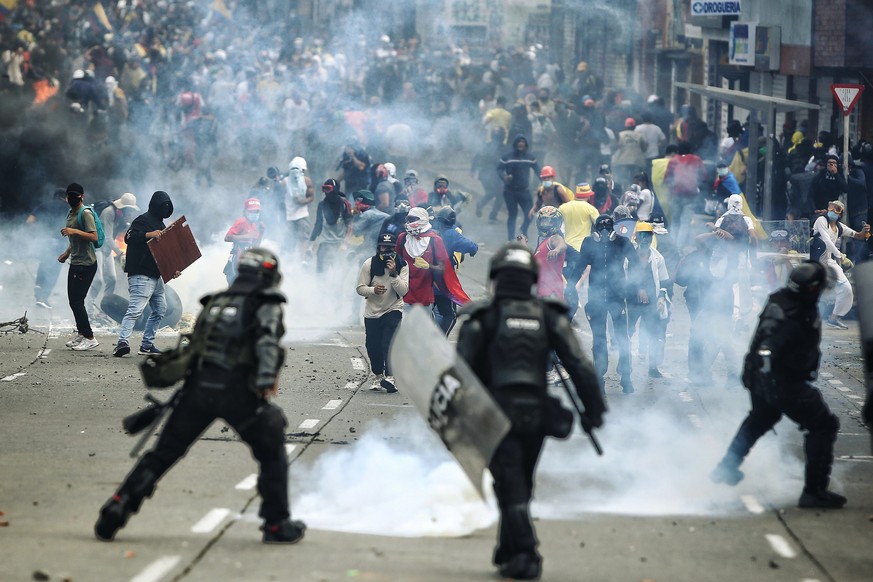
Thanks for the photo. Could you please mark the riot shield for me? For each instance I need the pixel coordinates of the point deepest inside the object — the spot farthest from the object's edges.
(447, 393)
(863, 275)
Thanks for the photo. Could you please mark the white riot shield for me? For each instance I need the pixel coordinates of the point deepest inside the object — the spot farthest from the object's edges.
(447, 393)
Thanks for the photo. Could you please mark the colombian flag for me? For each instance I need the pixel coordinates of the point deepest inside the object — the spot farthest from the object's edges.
(220, 7)
(100, 15)
(6, 8)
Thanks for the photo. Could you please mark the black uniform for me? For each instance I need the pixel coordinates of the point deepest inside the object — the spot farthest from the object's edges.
(782, 360)
(508, 343)
(240, 363)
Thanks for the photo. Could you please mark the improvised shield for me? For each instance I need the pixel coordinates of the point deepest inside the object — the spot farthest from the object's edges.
(863, 275)
(447, 393)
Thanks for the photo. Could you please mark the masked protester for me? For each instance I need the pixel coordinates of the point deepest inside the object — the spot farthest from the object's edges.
(81, 231)
(551, 192)
(445, 223)
(333, 223)
(232, 378)
(382, 281)
(608, 287)
(515, 168)
(507, 341)
(297, 196)
(396, 223)
(783, 359)
(368, 219)
(246, 232)
(651, 307)
(144, 283)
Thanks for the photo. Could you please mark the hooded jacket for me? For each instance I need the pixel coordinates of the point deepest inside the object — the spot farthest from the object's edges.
(139, 257)
(518, 164)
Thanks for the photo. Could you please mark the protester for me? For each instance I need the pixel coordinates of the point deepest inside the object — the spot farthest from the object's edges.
(81, 231)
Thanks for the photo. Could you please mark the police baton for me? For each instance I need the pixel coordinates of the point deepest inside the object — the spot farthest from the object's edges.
(588, 431)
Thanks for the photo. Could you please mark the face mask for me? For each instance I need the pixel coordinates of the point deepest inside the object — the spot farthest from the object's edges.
(547, 184)
(74, 201)
(442, 191)
(723, 172)
(253, 216)
(166, 209)
(833, 216)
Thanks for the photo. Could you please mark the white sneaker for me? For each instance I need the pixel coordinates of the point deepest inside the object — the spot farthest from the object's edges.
(86, 344)
(377, 383)
(552, 377)
(75, 341)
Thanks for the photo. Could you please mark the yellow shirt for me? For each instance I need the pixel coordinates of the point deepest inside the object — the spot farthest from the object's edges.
(498, 117)
(579, 219)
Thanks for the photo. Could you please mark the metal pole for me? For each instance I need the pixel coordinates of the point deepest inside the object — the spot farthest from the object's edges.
(752, 163)
(843, 196)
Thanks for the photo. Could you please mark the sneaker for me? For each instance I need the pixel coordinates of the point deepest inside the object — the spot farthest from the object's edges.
(121, 349)
(820, 499)
(552, 377)
(726, 473)
(77, 339)
(836, 323)
(525, 566)
(43, 304)
(376, 386)
(86, 344)
(113, 516)
(148, 351)
(284, 532)
(388, 384)
(655, 373)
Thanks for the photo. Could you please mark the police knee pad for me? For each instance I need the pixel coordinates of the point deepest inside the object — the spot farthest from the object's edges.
(273, 421)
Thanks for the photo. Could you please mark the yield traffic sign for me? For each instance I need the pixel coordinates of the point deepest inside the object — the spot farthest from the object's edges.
(847, 95)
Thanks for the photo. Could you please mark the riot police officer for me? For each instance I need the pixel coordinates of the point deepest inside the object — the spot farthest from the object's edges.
(507, 342)
(232, 377)
(782, 360)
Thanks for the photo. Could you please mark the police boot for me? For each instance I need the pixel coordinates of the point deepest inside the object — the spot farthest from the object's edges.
(524, 566)
(284, 532)
(113, 516)
(820, 499)
(727, 472)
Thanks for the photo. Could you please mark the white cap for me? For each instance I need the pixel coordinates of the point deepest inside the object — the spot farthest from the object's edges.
(110, 80)
(127, 200)
(652, 98)
(298, 163)
(391, 168)
(78, 74)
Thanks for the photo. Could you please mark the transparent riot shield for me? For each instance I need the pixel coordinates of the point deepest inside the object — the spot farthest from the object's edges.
(863, 275)
(447, 393)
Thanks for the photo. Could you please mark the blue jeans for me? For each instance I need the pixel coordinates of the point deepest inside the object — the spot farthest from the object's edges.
(143, 290)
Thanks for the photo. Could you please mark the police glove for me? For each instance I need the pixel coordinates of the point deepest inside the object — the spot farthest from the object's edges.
(590, 422)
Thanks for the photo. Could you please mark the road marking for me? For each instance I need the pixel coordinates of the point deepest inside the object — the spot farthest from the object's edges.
(157, 569)
(686, 397)
(843, 388)
(351, 386)
(211, 520)
(862, 458)
(854, 397)
(752, 504)
(826, 375)
(12, 377)
(248, 483)
(358, 364)
(695, 421)
(309, 423)
(44, 352)
(331, 404)
(835, 382)
(391, 405)
(289, 449)
(781, 546)
(810, 580)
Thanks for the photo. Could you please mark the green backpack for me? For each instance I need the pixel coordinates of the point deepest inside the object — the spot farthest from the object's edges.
(101, 236)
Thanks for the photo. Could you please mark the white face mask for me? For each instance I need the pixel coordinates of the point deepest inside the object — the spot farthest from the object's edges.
(253, 216)
(723, 172)
(547, 184)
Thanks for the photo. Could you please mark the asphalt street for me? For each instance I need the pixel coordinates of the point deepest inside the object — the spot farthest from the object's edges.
(383, 500)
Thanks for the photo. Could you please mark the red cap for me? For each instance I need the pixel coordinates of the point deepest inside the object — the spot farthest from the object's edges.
(630, 122)
(253, 204)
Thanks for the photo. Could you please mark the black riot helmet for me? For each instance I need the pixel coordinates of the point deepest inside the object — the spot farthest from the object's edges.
(808, 280)
(261, 266)
(514, 271)
(447, 216)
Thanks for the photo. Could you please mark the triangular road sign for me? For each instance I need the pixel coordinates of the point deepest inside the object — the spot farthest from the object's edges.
(847, 95)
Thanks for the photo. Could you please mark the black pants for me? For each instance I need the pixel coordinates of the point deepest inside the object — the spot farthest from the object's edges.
(379, 331)
(259, 424)
(516, 199)
(444, 312)
(653, 331)
(803, 404)
(512, 467)
(597, 313)
(78, 283)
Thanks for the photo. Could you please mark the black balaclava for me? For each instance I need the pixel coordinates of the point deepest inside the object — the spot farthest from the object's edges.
(160, 205)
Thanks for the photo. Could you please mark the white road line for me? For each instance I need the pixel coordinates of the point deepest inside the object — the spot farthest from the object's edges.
(781, 546)
(44, 352)
(752, 504)
(309, 423)
(211, 520)
(686, 397)
(695, 421)
(157, 569)
(835, 382)
(332, 404)
(843, 388)
(854, 397)
(826, 375)
(248, 483)
(12, 377)
(358, 364)
(391, 405)
(810, 580)
(855, 458)
(289, 449)
(351, 386)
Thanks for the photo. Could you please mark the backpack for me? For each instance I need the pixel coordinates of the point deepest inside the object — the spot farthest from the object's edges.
(736, 225)
(101, 236)
(817, 246)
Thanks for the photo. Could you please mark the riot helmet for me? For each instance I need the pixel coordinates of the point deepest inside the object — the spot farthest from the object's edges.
(549, 221)
(260, 265)
(808, 281)
(513, 271)
(446, 216)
